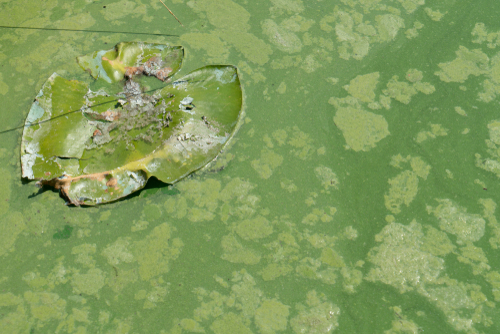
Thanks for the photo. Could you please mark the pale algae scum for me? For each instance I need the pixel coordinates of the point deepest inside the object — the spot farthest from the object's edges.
(360, 194)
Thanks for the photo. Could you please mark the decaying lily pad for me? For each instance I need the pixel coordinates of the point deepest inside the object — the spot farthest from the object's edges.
(97, 147)
(133, 58)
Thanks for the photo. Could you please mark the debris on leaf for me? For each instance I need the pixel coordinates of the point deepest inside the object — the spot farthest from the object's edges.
(132, 59)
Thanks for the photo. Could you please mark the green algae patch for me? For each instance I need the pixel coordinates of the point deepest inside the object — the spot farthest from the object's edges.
(482, 35)
(268, 162)
(492, 163)
(228, 324)
(494, 131)
(231, 22)
(5, 191)
(12, 226)
(144, 260)
(411, 5)
(436, 131)
(99, 146)
(467, 63)
(362, 129)
(16, 322)
(238, 305)
(493, 277)
(416, 163)
(151, 298)
(420, 167)
(9, 299)
(489, 207)
(475, 257)
(4, 88)
(352, 278)
(119, 282)
(82, 20)
(301, 143)
(434, 15)
(437, 242)
(290, 6)
(399, 259)
(350, 233)
(256, 228)
(401, 323)
(84, 254)
(191, 326)
(224, 14)
(205, 197)
(284, 39)
(317, 315)
(156, 251)
(281, 88)
(475, 63)
(26, 64)
(118, 10)
(45, 306)
(312, 269)
(356, 34)
(271, 316)
(403, 189)
(403, 91)
(89, 283)
(210, 43)
(327, 177)
(288, 185)
(275, 270)
(388, 26)
(455, 220)
(235, 252)
(318, 215)
(414, 75)
(331, 258)
(362, 87)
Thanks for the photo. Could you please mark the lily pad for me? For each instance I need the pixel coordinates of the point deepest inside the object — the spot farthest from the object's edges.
(96, 146)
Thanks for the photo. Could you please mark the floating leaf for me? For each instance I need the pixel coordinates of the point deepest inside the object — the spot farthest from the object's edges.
(97, 147)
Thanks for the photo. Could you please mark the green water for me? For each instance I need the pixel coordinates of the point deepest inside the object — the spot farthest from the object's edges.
(359, 195)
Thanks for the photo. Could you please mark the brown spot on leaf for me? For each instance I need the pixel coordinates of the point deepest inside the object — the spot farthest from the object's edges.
(112, 182)
(111, 115)
(163, 73)
(133, 70)
(153, 61)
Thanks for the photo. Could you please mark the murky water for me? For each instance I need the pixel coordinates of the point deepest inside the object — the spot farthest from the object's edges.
(359, 196)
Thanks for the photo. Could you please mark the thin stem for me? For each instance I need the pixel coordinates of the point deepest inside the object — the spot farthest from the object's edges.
(171, 13)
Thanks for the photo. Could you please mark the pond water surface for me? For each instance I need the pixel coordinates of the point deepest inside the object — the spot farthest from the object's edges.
(358, 196)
